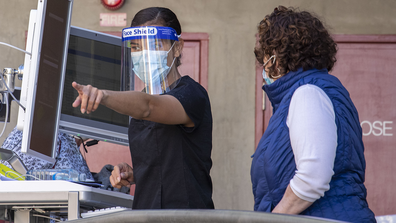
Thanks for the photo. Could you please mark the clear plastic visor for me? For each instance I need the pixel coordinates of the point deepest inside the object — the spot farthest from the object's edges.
(148, 59)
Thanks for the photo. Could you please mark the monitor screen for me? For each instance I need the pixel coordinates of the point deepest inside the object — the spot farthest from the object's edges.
(93, 58)
(42, 85)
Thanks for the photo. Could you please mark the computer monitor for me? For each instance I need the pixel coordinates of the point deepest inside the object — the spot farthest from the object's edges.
(93, 58)
(44, 69)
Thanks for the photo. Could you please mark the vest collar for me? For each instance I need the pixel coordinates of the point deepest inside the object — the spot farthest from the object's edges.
(277, 90)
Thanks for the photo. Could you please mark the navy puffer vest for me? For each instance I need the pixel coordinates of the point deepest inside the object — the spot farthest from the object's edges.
(273, 163)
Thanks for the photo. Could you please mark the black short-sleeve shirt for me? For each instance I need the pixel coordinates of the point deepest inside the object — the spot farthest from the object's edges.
(171, 163)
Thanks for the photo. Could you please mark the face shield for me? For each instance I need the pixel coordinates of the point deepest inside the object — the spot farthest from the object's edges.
(147, 59)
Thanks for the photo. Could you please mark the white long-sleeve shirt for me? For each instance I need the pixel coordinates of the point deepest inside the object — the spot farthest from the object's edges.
(313, 137)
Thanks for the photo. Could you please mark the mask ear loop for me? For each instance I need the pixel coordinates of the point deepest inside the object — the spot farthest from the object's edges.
(280, 75)
(170, 67)
(172, 63)
(171, 47)
(173, 58)
(169, 51)
(163, 86)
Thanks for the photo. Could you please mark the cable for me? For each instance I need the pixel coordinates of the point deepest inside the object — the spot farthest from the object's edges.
(82, 142)
(32, 176)
(59, 151)
(9, 91)
(14, 172)
(6, 116)
(9, 216)
(92, 142)
(43, 216)
(9, 45)
(85, 149)
(24, 51)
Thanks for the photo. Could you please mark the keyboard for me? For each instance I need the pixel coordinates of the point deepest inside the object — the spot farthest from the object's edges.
(103, 211)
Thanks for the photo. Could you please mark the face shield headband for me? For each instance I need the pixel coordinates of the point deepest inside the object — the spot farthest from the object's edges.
(145, 55)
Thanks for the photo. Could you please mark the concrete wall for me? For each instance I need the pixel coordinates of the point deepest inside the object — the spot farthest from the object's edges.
(231, 25)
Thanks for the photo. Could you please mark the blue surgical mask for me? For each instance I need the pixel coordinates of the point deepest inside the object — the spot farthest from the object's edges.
(156, 65)
(267, 79)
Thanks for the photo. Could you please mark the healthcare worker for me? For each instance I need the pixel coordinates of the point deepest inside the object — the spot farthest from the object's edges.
(170, 132)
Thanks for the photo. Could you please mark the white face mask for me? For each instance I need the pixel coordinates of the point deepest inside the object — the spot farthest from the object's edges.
(267, 79)
(157, 64)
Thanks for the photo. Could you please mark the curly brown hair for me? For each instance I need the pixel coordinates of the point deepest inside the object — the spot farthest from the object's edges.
(298, 39)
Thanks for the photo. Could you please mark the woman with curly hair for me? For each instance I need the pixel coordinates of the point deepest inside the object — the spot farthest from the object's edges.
(310, 160)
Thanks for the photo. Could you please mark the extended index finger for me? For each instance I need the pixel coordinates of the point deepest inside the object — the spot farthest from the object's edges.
(77, 86)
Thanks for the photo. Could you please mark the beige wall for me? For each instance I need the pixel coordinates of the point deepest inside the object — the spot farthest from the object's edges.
(231, 25)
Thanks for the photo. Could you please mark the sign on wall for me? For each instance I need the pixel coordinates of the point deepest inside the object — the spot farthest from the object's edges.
(113, 19)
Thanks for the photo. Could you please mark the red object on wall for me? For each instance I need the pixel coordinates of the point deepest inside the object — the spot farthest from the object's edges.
(112, 4)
